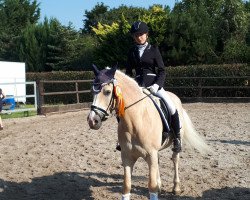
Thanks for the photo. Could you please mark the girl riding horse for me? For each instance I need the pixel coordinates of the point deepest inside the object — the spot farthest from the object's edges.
(139, 128)
(149, 67)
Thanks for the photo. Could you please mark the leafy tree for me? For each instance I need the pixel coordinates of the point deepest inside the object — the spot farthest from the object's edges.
(102, 14)
(247, 7)
(48, 46)
(131, 14)
(113, 43)
(93, 17)
(84, 57)
(207, 32)
(15, 15)
(157, 18)
(232, 30)
(190, 36)
(30, 51)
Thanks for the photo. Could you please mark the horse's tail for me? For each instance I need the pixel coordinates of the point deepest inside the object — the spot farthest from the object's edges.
(191, 137)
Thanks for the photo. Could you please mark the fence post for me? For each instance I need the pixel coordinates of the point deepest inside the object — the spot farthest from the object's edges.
(40, 86)
(200, 88)
(77, 93)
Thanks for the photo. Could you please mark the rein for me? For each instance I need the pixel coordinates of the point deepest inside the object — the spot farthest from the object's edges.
(147, 95)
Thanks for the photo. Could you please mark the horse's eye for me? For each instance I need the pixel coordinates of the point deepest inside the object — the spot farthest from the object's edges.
(107, 92)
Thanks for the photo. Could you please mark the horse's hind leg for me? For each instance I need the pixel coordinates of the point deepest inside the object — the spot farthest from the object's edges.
(175, 159)
(154, 183)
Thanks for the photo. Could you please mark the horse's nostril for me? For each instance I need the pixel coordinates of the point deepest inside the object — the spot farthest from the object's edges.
(95, 122)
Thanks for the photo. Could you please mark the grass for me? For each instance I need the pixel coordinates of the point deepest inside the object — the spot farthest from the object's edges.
(19, 114)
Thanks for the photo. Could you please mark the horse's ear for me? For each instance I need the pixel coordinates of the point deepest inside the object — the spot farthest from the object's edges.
(95, 69)
(111, 72)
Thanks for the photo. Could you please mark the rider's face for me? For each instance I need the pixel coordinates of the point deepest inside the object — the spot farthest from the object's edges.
(140, 38)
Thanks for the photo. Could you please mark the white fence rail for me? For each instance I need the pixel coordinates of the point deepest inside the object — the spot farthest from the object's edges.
(22, 108)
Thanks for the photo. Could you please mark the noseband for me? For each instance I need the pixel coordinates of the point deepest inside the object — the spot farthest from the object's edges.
(103, 114)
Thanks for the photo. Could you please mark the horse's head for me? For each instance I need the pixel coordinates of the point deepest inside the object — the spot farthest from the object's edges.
(104, 99)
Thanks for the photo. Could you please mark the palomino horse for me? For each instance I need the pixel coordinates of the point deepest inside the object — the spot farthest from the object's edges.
(140, 127)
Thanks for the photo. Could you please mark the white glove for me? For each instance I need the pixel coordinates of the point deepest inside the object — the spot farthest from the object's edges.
(153, 88)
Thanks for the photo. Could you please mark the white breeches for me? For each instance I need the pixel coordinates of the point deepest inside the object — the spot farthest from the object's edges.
(165, 96)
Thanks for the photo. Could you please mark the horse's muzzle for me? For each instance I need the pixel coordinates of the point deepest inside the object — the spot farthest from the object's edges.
(94, 120)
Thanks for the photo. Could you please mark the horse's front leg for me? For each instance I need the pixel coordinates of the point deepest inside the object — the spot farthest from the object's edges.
(175, 159)
(128, 165)
(154, 183)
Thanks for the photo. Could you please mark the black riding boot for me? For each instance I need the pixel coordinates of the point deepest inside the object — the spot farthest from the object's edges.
(175, 123)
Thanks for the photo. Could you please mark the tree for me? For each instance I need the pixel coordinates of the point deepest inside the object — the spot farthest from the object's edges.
(102, 14)
(15, 15)
(156, 18)
(247, 6)
(83, 56)
(113, 43)
(49, 43)
(30, 51)
(93, 17)
(190, 35)
(232, 30)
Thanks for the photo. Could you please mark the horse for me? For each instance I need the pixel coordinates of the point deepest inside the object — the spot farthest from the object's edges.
(140, 127)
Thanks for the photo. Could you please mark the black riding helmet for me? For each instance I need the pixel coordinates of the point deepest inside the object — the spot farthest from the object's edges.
(139, 27)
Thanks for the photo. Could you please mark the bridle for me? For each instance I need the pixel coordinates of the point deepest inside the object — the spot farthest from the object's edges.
(103, 114)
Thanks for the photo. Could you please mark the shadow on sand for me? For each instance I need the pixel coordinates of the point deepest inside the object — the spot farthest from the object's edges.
(77, 186)
(236, 142)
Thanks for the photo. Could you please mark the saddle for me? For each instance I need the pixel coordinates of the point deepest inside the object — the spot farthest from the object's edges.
(164, 113)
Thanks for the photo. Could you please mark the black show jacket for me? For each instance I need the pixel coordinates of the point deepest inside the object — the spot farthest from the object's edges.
(149, 69)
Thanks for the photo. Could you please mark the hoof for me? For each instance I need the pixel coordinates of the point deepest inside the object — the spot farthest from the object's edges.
(176, 192)
(176, 189)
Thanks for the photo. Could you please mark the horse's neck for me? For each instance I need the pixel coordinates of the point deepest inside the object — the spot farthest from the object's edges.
(130, 89)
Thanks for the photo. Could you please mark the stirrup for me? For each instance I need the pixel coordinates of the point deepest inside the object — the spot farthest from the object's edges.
(177, 145)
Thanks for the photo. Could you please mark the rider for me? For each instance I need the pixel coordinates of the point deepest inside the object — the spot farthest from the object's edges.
(147, 61)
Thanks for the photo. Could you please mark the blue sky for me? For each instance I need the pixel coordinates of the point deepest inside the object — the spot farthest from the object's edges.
(73, 10)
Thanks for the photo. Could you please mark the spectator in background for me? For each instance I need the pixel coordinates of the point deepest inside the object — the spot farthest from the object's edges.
(2, 96)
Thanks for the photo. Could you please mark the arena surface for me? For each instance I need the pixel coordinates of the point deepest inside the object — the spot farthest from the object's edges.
(57, 157)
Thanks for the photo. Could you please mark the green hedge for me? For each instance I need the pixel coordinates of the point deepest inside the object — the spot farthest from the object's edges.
(238, 70)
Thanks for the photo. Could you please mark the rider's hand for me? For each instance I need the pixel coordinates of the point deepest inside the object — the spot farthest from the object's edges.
(153, 88)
